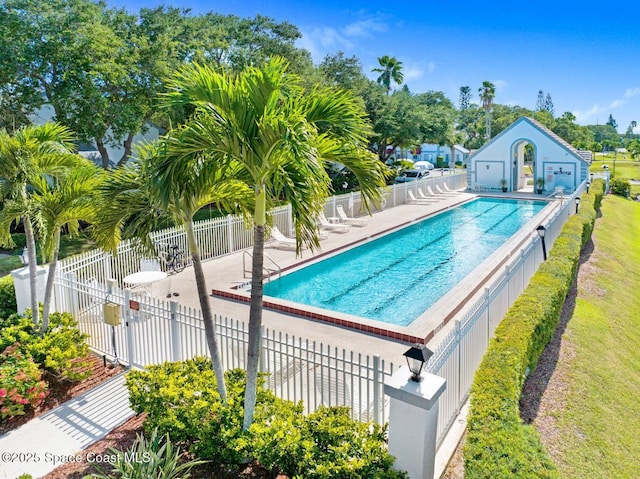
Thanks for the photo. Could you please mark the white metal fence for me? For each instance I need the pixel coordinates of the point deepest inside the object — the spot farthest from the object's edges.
(458, 355)
(153, 331)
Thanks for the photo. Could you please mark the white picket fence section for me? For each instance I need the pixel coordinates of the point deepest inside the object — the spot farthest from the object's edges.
(153, 331)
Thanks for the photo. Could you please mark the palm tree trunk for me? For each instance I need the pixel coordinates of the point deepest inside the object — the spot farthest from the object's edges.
(33, 270)
(48, 290)
(207, 315)
(255, 311)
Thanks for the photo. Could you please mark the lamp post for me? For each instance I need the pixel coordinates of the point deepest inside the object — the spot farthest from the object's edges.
(577, 203)
(541, 230)
(417, 356)
(588, 185)
(24, 257)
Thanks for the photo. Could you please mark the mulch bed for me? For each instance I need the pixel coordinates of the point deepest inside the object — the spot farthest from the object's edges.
(63, 390)
(123, 437)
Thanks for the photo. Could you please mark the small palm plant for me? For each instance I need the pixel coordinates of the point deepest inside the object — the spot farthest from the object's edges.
(153, 458)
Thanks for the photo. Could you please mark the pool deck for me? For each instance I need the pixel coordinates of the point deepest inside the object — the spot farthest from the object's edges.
(225, 274)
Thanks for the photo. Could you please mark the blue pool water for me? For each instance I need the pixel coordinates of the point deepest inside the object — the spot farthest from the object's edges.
(397, 277)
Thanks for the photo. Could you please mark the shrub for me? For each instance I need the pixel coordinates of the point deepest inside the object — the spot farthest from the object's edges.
(155, 458)
(60, 350)
(21, 384)
(8, 304)
(181, 399)
(620, 186)
(498, 444)
(326, 444)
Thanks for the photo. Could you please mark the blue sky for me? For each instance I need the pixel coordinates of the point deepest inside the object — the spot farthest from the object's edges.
(585, 55)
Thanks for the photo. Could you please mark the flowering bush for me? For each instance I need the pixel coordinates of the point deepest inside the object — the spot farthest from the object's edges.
(60, 350)
(21, 384)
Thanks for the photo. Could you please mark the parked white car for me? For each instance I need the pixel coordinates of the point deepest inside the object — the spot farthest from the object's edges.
(423, 165)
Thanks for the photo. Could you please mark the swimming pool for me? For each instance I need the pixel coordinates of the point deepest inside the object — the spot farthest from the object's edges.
(395, 278)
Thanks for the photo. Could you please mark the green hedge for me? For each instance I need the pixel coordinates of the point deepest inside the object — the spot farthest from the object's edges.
(498, 444)
(8, 304)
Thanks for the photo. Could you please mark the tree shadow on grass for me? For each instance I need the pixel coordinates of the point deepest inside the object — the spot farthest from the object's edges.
(537, 382)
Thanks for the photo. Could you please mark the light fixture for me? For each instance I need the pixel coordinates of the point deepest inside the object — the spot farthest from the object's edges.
(417, 357)
(577, 203)
(24, 257)
(588, 185)
(541, 230)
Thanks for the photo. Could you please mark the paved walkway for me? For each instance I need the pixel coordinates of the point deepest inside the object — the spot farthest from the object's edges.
(61, 434)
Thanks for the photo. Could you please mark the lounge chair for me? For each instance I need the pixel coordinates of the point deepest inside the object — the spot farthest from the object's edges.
(431, 192)
(422, 196)
(442, 192)
(350, 221)
(280, 239)
(415, 201)
(449, 190)
(327, 225)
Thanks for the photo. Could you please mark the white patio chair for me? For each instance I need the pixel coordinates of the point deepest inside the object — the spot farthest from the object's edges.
(415, 201)
(327, 225)
(280, 239)
(422, 196)
(350, 221)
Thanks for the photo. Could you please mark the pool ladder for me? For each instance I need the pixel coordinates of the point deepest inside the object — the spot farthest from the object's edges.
(267, 271)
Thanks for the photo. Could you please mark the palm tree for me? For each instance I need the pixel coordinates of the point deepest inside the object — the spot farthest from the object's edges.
(136, 200)
(29, 157)
(61, 206)
(487, 91)
(390, 69)
(281, 136)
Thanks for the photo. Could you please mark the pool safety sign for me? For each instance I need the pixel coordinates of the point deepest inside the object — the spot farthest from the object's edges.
(560, 175)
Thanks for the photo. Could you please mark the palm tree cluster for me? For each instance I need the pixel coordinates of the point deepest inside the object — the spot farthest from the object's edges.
(254, 139)
(47, 188)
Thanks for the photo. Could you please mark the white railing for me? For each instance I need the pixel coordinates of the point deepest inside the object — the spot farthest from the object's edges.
(458, 355)
(152, 331)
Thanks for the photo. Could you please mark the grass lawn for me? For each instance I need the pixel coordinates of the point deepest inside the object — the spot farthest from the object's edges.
(599, 423)
(68, 247)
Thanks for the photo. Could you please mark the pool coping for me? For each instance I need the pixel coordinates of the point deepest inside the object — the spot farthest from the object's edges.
(420, 330)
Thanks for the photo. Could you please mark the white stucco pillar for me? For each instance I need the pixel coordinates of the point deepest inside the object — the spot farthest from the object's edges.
(413, 421)
(23, 288)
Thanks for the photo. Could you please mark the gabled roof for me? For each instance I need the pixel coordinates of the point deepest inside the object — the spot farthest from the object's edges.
(543, 129)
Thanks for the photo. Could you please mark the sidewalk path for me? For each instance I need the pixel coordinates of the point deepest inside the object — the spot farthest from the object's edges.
(61, 434)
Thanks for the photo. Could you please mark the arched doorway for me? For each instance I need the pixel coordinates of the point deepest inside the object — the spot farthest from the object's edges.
(523, 157)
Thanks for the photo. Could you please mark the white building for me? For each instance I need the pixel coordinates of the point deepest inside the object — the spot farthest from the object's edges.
(556, 164)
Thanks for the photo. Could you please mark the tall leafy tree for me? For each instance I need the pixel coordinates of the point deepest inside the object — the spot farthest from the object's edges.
(540, 101)
(464, 101)
(612, 122)
(29, 159)
(487, 92)
(390, 71)
(548, 104)
(343, 72)
(281, 136)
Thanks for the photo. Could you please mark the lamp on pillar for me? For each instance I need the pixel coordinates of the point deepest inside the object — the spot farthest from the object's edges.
(24, 257)
(417, 357)
(577, 203)
(541, 230)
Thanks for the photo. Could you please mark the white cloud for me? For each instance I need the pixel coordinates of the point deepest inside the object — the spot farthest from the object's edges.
(365, 28)
(500, 85)
(587, 117)
(631, 92)
(320, 40)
